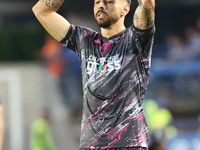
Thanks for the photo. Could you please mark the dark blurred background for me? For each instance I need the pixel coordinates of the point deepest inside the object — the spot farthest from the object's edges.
(45, 79)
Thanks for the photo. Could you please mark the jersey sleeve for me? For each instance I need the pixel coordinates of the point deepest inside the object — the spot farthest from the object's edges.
(144, 40)
(73, 38)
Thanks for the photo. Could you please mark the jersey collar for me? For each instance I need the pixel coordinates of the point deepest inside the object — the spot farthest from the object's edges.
(113, 38)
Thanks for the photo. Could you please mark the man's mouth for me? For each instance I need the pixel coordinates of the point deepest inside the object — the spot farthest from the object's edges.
(101, 14)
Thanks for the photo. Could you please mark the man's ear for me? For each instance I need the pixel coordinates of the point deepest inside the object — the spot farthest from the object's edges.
(126, 10)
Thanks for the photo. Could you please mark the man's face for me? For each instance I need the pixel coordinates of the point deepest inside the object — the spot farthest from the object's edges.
(108, 12)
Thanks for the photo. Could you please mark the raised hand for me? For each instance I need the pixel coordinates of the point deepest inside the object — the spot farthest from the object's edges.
(144, 15)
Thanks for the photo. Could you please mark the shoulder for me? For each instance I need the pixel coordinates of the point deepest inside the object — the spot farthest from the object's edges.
(80, 32)
(83, 30)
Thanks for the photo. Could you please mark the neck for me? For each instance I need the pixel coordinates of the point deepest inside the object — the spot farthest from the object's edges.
(113, 30)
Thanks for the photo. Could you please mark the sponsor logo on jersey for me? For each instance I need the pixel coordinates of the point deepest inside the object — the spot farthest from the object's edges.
(103, 64)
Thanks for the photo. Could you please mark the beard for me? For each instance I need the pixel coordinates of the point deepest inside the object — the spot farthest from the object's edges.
(107, 22)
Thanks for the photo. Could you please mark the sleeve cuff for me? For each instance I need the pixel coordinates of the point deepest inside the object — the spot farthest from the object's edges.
(64, 40)
(146, 30)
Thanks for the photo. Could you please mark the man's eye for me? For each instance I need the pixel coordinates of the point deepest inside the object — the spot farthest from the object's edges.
(97, 2)
(109, 1)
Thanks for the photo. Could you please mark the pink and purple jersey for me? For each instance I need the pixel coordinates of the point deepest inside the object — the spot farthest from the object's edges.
(115, 75)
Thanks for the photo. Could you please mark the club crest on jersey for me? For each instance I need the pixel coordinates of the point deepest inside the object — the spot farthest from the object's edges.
(103, 64)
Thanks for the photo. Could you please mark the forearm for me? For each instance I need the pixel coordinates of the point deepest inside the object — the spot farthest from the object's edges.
(144, 15)
(52, 5)
(45, 12)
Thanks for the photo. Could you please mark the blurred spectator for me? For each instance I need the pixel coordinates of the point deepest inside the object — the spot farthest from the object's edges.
(177, 51)
(50, 52)
(64, 65)
(158, 120)
(71, 88)
(71, 81)
(193, 44)
(41, 138)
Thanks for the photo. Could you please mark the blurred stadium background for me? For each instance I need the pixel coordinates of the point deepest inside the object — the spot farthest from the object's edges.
(33, 79)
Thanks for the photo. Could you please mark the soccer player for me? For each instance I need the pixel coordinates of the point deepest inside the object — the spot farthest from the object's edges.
(115, 68)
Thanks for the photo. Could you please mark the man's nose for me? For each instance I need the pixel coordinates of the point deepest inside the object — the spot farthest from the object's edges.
(102, 4)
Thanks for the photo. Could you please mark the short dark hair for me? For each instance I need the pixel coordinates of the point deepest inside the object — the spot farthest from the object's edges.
(129, 2)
